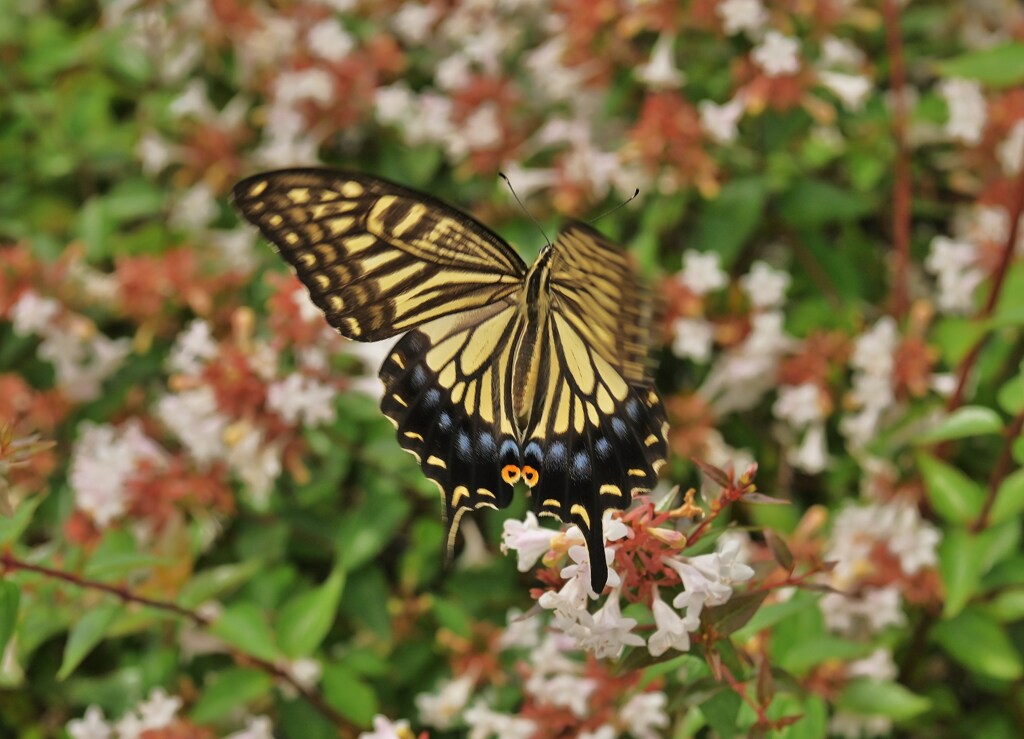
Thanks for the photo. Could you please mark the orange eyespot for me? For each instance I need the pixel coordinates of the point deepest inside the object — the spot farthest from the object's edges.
(530, 476)
(511, 474)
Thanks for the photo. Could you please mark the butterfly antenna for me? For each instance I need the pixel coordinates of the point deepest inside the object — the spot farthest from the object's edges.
(508, 182)
(620, 205)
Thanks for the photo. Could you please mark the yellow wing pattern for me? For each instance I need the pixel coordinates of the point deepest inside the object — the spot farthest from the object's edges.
(448, 393)
(378, 259)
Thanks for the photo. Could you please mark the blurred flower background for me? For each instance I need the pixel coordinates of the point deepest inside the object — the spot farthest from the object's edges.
(207, 529)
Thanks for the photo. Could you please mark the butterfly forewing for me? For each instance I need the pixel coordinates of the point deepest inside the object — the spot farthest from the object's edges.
(596, 287)
(378, 259)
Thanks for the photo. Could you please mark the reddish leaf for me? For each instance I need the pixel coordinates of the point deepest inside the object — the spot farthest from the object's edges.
(779, 550)
(715, 474)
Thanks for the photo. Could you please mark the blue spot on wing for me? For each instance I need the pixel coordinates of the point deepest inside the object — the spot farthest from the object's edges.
(581, 465)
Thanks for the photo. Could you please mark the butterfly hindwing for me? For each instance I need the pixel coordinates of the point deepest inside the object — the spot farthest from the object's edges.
(378, 259)
(596, 439)
(447, 391)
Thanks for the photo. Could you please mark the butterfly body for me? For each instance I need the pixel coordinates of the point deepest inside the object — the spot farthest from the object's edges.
(505, 373)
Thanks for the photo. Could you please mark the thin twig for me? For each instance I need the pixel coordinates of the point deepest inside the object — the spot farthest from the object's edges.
(1010, 434)
(11, 564)
(999, 276)
(901, 196)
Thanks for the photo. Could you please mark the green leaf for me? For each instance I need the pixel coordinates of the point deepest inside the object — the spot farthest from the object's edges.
(866, 697)
(971, 420)
(1011, 395)
(118, 554)
(305, 619)
(727, 222)
(85, 634)
(815, 650)
(817, 202)
(349, 694)
(998, 66)
(1007, 606)
(244, 626)
(736, 612)
(14, 526)
(960, 566)
(228, 690)
(721, 711)
(955, 497)
(215, 582)
(773, 613)
(364, 533)
(977, 642)
(10, 596)
(1009, 498)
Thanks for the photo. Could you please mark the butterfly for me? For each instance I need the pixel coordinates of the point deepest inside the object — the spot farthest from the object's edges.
(505, 372)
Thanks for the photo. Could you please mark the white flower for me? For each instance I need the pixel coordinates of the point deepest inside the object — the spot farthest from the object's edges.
(740, 378)
(839, 53)
(712, 575)
(765, 286)
(522, 631)
(1011, 150)
(193, 102)
(155, 153)
(193, 416)
(878, 666)
(159, 710)
(299, 399)
(194, 210)
(432, 122)
(256, 727)
(873, 350)
(91, 726)
(868, 613)
(384, 728)
(104, 462)
(777, 54)
(811, 456)
(312, 85)
(484, 723)
(742, 16)
(480, 131)
(329, 40)
(702, 272)
(255, 463)
(414, 23)
(608, 632)
(947, 255)
(798, 405)
(967, 109)
(851, 89)
(529, 180)
(394, 104)
(564, 690)
(527, 539)
(602, 732)
(672, 630)
(453, 72)
(441, 709)
(570, 601)
(858, 726)
(644, 714)
(721, 122)
(193, 348)
(580, 568)
(661, 72)
(33, 314)
(693, 339)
